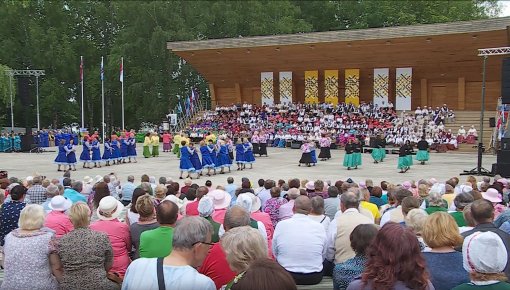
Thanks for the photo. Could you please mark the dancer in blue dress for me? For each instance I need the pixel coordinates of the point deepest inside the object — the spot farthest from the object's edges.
(115, 157)
(313, 153)
(248, 153)
(213, 152)
(85, 154)
(96, 152)
(223, 157)
(71, 154)
(240, 156)
(207, 160)
(185, 164)
(131, 150)
(123, 148)
(195, 160)
(62, 155)
(108, 151)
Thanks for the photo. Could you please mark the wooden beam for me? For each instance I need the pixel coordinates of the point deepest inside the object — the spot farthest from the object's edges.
(424, 93)
(238, 93)
(462, 93)
(212, 91)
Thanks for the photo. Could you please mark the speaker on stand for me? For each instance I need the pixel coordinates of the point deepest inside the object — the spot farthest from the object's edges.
(502, 167)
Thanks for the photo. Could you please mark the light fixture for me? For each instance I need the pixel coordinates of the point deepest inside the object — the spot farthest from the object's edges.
(218, 52)
(277, 49)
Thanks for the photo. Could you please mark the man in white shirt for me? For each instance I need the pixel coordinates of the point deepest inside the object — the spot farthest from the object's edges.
(395, 214)
(299, 244)
(339, 244)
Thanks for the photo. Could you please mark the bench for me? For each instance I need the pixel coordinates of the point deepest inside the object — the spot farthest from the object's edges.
(325, 284)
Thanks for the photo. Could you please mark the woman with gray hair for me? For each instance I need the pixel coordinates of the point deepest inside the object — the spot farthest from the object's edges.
(435, 203)
(460, 202)
(191, 242)
(206, 210)
(31, 250)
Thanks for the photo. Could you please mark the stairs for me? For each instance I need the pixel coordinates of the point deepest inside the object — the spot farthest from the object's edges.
(467, 119)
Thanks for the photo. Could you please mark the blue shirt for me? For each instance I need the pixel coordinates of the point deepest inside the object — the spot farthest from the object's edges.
(74, 196)
(9, 216)
(446, 269)
(127, 191)
(231, 189)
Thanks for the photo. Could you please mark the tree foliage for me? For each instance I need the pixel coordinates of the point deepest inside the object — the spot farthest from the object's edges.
(52, 35)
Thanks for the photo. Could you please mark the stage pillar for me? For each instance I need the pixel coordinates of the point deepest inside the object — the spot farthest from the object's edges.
(212, 91)
(424, 93)
(462, 93)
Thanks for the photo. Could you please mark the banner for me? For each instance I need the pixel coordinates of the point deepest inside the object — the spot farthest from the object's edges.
(352, 86)
(286, 87)
(266, 88)
(331, 86)
(311, 87)
(381, 85)
(403, 88)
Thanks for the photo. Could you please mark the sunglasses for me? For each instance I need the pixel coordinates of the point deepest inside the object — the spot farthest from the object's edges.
(205, 243)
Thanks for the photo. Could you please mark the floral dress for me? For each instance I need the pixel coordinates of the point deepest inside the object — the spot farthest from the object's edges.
(273, 208)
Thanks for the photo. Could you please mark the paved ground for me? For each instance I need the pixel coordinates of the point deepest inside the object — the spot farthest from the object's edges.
(281, 163)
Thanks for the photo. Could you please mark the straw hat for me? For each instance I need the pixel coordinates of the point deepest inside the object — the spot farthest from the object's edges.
(109, 208)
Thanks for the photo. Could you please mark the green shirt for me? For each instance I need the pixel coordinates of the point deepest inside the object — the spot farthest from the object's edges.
(495, 286)
(156, 243)
(458, 216)
(432, 209)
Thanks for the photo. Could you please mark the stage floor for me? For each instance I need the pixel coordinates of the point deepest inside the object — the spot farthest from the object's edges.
(281, 164)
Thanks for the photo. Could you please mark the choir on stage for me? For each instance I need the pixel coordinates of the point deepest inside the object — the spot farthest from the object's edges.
(10, 143)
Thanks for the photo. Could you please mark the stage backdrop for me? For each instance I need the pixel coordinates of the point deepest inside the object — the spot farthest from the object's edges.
(286, 87)
(403, 88)
(266, 88)
(352, 86)
(381, 82)
(311, 87)
(331, 86)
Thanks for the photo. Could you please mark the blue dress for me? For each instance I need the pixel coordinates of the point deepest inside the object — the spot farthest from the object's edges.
(185, 162)
(131, 150)
(85, 154)
(17, 143)
(67, 137)
(314, 155)
(115, 150)
(248, 153)
(107, 154)
(195, 160)
(207, 161)
(71, 155)
(223, 158)
(123, 147)
(96, 152)
(214, 155)
(75, 138)
(240, 157)
(62, 155)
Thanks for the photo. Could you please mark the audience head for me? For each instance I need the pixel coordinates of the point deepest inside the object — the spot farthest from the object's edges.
(409, 203)
(294, 183)
(484, 257)
(243, 245)
(201, 192)
(302, 205)
(79, 214)
(441, 230)
(18, 193)
(31, 217)
(161, 191)
(52, 190)
(317, 205)
(435, 199)
(462, 199)
(167, 213)
(261, 182)
(206, 206)
(482, 211)
(349, 200)
(192, 235)
(265, 274)
(318, 186)
(230, 180)
(236, 216)
(415, 220)
(333, 191)
(376, 191)
(145, 207)
(468, 216)
(275, 192)
(361, 238)
(402, 193)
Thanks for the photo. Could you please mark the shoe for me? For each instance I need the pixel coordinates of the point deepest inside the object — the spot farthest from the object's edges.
(348, 168)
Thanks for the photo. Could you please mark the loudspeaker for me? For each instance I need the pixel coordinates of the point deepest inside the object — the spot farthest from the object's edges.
(503, 156)
(27, 141)
(24, 91)
(501, 169)
(505, 144)
(505, 80)
(492, 122)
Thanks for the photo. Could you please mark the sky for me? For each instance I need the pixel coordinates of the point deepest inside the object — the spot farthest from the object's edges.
(505, 8)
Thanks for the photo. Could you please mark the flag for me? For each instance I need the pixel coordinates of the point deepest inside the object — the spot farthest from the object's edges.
(179, 108)
(102, 69)
(187, 106)
(81, 68)
(122, 70)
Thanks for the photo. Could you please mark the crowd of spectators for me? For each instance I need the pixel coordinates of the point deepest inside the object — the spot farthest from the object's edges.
(101, 233)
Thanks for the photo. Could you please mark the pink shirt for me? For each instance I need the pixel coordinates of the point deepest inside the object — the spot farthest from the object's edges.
(219, 215)
(120, 238)
(266, 220)
(59, 222)
(166, 138)
(286, 211)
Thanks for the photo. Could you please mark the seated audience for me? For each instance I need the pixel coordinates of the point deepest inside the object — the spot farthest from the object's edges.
(57, 219)
(192, 207)
(206, 210)
(10, 213)
(74, 193)
(332, 203)
(157, 243)
(317, 212)
(361, 238)
(460, 202)
(191, 243)
(415, 220)
(394, 214)
(89, 270)
(31, 250)
(264, 274)
(51, 191)
(299, 244)
(435, 203)
(221, 201)
(273, 205)
(147, 221)
(444, 263)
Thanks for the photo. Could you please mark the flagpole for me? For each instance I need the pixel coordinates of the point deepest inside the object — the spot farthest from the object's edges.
(82, 104)
(122, 81)
(102, 96)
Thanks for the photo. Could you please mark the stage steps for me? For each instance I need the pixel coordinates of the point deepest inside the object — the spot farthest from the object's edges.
(467, 119)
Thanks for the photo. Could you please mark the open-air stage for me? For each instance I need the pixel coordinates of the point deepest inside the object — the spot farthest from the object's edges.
(281, 164)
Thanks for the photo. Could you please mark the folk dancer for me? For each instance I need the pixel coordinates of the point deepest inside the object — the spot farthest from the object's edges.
(423, 151)
(61, 158)
(263, 144)
(185, 164)
(357, 150)
(231, 147)
(96, 152)
(306, 156)
(403, 161)
(115, 157)
(240, 155)
(255, 142)
(146, 143)
(248, 153)
(195, 160)
(207, 160)
(410, 152)
(131, 150)
(71, 155)
(177, 143)
(325, 144)
(313, 153)
(224, 160)
(349, 155)
(123, 147)
(378, 152)
(167, 141)
(85, 154)
(108, 152)
(155, 144)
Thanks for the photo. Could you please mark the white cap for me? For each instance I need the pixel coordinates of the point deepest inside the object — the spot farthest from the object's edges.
(484, 252)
